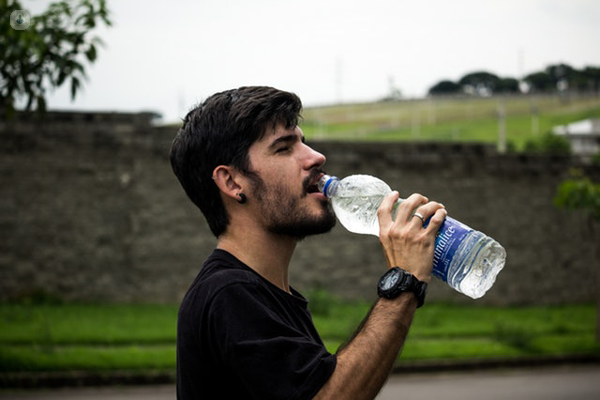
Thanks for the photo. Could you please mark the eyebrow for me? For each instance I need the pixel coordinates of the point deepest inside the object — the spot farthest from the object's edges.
(292, 137)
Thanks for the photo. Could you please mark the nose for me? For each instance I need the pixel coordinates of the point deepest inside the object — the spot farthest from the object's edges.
(314, 158)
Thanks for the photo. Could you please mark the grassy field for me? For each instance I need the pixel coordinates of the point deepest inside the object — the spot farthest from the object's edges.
(449, 119)
(47, 337)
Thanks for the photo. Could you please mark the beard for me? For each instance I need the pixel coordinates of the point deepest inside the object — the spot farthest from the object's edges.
(287, 215)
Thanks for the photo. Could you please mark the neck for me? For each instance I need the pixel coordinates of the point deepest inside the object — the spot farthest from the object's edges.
(266, 253)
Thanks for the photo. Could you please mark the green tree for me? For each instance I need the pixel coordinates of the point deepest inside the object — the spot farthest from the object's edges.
(560, 72)
(481, 83)
(566, 77)
(52, 51)
(592, 76)
(580, 193)
(549, 143)
(444, 87)
(508, 85)
(540, 82)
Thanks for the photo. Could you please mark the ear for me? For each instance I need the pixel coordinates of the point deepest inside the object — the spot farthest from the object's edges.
(227, 180)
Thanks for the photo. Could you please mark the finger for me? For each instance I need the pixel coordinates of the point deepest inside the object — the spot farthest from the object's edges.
(437, 219)
(409, 205)
(425, 212)
(418, 218)
(384, 212)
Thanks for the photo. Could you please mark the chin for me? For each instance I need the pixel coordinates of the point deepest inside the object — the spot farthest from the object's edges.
(307, 226)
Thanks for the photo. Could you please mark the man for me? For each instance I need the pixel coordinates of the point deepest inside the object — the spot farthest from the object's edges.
(243, 331)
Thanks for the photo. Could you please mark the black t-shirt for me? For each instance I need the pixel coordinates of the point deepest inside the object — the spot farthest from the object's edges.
(241, 337)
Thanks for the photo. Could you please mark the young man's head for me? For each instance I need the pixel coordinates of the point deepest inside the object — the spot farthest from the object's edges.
(221, 132)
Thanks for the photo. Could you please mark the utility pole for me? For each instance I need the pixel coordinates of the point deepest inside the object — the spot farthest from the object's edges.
(535, 116)
(338, 79)
(501, 126)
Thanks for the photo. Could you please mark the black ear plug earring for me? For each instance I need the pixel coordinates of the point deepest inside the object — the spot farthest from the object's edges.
(242, 199)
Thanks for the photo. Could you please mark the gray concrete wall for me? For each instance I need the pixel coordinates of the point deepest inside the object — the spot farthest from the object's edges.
(90, 210)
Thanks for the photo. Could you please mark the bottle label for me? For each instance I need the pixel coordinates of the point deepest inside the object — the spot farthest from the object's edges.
(449, 238)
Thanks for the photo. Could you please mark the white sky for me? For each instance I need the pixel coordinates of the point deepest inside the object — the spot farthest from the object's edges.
(166, 56)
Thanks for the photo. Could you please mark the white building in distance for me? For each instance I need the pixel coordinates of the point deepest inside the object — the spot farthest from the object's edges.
(584, 136)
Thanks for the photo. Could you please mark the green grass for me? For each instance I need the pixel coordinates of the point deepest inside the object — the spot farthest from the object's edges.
(460, 332)
(64, 337)
(454, 119)
(59, 337)
(86, 324)
(90, 358)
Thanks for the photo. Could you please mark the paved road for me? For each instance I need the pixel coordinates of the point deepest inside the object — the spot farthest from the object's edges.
(577, 383)
(568, 383)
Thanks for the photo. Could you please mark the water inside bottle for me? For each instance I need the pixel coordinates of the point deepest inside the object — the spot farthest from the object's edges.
(356, 202)
(476, 265)
(358, 214)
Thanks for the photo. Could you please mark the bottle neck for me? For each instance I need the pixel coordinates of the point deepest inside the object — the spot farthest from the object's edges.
(328, 185)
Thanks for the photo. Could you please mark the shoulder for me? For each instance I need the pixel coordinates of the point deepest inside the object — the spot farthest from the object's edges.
(221, 272)
(221, 269)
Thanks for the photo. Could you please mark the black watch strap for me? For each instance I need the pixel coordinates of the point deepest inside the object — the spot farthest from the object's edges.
(396, 281)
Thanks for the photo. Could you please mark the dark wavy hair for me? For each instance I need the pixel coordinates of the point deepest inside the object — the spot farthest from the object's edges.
(220, 131)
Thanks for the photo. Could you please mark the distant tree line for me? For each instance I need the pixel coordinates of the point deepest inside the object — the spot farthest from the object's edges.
(555, 78)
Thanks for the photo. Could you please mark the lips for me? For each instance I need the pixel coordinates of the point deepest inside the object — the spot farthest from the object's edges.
(311, 183)
(313, 188)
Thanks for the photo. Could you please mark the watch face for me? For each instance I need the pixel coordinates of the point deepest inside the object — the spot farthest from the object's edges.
(390, 281)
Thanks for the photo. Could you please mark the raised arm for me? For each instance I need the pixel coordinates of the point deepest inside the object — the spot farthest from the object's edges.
(365, 363)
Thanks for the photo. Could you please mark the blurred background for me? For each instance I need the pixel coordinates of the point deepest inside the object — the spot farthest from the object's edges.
(492, 108)
(167, 56)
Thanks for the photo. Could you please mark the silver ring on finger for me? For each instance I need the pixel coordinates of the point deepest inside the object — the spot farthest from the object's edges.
(420, 216)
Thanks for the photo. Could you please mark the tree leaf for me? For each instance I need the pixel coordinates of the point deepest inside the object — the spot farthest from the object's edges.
(75, 84)
(56, 49)
(91, 53)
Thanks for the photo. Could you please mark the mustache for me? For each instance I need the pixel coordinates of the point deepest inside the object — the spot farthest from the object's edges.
(310, 179)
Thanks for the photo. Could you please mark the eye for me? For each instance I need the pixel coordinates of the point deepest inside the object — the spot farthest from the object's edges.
(282, 149)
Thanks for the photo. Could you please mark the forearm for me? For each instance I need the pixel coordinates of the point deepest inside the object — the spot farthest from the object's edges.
(365, 363)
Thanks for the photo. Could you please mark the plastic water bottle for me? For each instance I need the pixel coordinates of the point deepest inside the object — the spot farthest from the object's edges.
(466, 259)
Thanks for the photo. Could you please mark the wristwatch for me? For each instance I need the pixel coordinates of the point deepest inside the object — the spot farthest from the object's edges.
(396, 281)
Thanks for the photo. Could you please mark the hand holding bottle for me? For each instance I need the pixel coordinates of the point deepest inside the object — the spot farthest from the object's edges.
(405, 243)
(466, 259)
